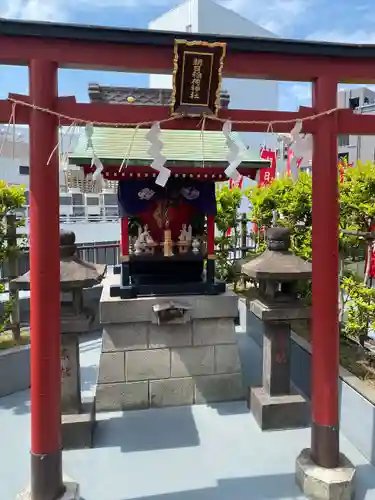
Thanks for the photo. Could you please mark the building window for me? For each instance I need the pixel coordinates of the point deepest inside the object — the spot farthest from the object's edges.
(343, 140)
(77, 199)
(24, 170)
(110, 199)
(354, 103)
(343, 157)
(65, 201)
(92, 201)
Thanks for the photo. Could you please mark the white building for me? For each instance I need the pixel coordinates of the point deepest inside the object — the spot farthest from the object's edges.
(208, 17)
(354, 147)
(93, 216)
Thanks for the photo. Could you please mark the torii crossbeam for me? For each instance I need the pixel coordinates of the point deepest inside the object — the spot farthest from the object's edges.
(45, 48)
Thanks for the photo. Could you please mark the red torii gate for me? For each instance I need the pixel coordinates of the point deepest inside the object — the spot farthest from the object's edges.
(45, 47)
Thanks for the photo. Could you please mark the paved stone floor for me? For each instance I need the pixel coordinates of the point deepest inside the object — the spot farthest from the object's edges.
(186, 453)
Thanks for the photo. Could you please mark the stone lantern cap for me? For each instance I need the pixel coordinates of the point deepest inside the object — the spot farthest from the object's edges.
(74, 272)
(278, 262)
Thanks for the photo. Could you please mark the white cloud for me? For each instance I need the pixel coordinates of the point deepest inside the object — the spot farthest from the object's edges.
(293, 95)
(51, 10)
(302, 93)
(277, 16)
(61, 10)
(350, 36)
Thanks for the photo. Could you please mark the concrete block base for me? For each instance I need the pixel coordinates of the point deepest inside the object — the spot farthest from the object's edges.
(318, 483)
(71, 492)
(77, 430)
(278, 412)
(146, 362)
(203, 389)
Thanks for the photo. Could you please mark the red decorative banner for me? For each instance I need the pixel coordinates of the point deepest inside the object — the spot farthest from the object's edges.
(267, 175)
(289, 161)
(255, 228)
(236, 184)
(371, 273)
(232, 185)
(343, 164)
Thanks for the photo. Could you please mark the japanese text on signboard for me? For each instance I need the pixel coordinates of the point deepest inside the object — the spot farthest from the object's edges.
(197, 77)
(195, 87)
(196, 81)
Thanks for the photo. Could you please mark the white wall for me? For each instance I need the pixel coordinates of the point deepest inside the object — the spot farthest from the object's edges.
(178, 19)
(244, 94)
(359, 147)
(9, 171)
(94, 232)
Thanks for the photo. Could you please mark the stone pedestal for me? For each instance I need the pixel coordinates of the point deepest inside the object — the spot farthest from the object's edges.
(72, 491)
(277, 405)
(319, 483)
(70, 374)
(181, 361)
(78, 417)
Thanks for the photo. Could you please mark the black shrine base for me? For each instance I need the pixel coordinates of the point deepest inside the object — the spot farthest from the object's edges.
(141, 285)
(167, 289)
(162, 276)
(157, 269)
(117, 269)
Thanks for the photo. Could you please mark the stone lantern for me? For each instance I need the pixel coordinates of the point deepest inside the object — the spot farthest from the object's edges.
(78, 417)
(277, 405)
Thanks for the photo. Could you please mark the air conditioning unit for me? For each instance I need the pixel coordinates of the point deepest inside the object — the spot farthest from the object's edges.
(109, 205)
(66, 205)
(92, 206)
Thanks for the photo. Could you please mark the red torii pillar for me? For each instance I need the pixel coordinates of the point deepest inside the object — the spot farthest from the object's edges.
(46, 455)
(325, 280)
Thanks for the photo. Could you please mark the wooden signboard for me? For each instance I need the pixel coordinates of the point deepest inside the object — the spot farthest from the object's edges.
(197, 75)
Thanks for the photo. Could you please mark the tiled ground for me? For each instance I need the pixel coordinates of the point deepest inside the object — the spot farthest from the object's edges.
(189, 453)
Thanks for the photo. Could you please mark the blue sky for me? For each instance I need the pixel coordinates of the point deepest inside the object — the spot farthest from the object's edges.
(330, 20)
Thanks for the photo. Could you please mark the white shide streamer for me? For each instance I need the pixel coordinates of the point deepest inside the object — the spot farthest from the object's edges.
(234, 154)
(155, 151)
(95, 161)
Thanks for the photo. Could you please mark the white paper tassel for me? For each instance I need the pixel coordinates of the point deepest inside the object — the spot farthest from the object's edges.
(97, 176)
(155, 151)
(95, 161)
(163, 176)
(296, 130)
(234, 154)
(89, 131)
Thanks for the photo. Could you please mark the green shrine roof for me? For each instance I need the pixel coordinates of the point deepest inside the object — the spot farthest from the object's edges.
(111, 145)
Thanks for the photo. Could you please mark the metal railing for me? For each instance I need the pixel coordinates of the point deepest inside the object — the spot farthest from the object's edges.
(81, 213)
(101, 253)
(109, 253)
(98, 253)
